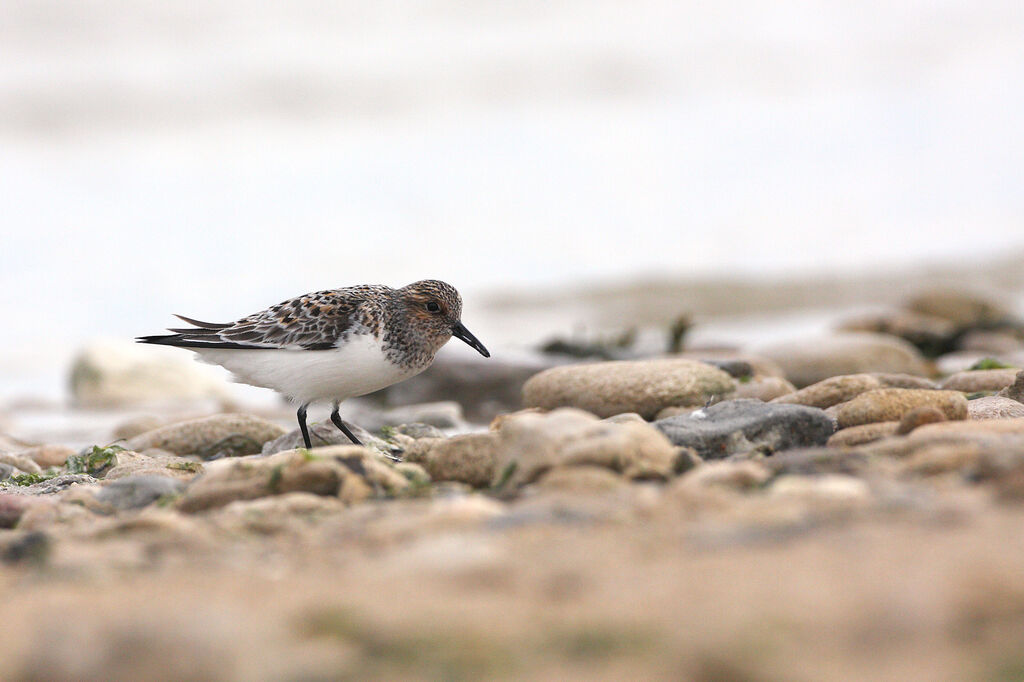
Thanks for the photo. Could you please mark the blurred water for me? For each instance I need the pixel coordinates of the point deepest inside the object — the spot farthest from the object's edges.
(214, 158)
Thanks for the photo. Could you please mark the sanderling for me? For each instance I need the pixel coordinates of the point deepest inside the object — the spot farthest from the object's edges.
(331, 345)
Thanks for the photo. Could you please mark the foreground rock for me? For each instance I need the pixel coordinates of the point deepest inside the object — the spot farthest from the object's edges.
(891, 404)
(350, 472)
(808, 361)
(740, 426)
(641, 386)
(221, 435)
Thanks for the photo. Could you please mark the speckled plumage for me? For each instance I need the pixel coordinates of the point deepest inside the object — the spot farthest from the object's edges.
(335, 344)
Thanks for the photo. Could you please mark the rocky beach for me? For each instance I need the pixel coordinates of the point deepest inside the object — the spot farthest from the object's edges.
(845, 506)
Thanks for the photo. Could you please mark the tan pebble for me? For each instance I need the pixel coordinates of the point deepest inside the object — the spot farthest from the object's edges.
(831, 391)
(763, 388)
(865, 433)
(674, 412)
(919, 416)
(891, 404)
(641, 386)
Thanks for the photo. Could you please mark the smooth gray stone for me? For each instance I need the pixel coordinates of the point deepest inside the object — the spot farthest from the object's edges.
(739, 426)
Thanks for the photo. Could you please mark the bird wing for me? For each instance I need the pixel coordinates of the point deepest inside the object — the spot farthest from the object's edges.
(315, 321)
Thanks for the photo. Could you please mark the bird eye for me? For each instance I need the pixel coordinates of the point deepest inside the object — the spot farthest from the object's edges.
(433, 307)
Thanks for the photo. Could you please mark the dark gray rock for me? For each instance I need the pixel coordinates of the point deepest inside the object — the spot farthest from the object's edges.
(134, 492)
(737, 426)
(6, 471)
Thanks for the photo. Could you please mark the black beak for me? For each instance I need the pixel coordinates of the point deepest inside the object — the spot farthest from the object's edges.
(460, 332)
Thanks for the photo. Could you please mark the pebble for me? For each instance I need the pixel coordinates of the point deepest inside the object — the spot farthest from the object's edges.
(251, 478)
(890, 404)
(865, 433)
(994, 407)
(741, 426)
(641, 386)
(470, 458)
(972, 427)
(980, 380)
(763, 388)
(153, 463)
(220, 435)
(919, 416)
(832, 391)
(531, 444)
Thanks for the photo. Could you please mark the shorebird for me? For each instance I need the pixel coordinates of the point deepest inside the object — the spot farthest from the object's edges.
(331, 345)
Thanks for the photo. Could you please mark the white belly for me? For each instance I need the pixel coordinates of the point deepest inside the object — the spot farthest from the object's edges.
(357, 368)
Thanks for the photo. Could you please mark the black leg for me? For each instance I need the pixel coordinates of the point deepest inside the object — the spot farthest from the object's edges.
(302, 426)
(336, 418)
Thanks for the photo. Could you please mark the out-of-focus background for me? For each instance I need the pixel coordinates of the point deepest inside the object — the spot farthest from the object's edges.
(214, 158)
